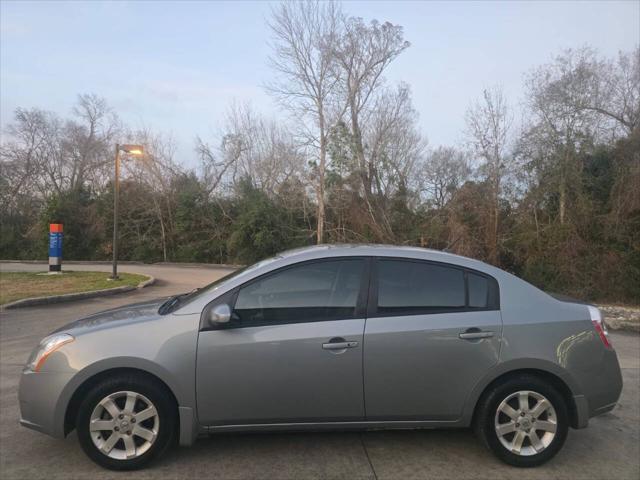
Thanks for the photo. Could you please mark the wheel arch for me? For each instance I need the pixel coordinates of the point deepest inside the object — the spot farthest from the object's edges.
(89, 382)
(558, 379)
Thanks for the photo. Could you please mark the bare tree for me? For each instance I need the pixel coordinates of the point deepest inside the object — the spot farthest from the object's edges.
(608, 87)
(217, 161)
(363, 53)
(561, 124)
(488, 123)
(157, 171)
(31, 155)
(251, 147)
(619, 91)
(45, 155)
(304, 36)
(443, 172)
(394, 146)
(88, 141)
(269, 156)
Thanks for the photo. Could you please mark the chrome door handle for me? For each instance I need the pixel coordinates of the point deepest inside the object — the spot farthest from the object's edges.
(339, 345)
(475, 335)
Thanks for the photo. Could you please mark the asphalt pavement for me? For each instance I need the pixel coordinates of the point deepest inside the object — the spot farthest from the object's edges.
(609, 448)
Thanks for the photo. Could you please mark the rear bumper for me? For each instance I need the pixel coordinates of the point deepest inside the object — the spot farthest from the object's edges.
(605, 387)
(581, 419)
(604, 409)
(602, 390)
(583, 413)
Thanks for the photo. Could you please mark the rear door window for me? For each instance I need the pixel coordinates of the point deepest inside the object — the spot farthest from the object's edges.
(406, 287)
(413, 287)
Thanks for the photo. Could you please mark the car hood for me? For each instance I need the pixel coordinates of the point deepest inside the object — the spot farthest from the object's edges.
(115, 317)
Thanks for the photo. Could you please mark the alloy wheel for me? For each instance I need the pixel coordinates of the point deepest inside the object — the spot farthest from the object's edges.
(124, 425)
(526, 423)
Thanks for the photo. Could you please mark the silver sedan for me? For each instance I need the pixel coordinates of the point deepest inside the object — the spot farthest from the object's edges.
(329, 337)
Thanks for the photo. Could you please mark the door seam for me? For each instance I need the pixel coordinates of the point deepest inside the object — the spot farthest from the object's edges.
(370, 271)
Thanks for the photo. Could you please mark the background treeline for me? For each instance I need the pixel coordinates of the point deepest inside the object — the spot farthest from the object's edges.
(552, 195)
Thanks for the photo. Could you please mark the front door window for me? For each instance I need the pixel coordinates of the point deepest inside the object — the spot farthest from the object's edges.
(312, 292)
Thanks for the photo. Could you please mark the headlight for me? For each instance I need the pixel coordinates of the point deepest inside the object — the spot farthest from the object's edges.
(47, 346)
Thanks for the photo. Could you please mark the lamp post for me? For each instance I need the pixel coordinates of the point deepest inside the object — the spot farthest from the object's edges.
(136, 150)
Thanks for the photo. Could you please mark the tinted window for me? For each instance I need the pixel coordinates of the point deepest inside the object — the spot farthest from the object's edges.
(413, 287)
(478, 291)
(306, 293)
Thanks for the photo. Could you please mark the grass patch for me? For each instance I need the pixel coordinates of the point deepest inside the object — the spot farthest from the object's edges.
(18, 285)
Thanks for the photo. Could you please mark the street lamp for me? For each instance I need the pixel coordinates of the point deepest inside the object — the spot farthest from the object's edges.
(136, 150)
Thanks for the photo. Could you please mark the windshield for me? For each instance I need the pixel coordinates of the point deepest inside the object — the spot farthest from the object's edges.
(185, 298)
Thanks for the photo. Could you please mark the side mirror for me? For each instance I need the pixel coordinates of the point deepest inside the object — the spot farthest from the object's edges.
(219, 315)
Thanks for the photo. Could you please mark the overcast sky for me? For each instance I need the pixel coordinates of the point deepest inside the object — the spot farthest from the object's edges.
(176, 66)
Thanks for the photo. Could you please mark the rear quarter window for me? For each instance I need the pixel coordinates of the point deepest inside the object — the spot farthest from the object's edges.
(478, 290)
(406, 287)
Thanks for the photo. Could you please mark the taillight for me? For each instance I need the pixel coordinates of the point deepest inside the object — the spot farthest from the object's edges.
(599, 326)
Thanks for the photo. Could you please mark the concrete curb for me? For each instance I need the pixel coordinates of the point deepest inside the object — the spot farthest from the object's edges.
(623, 327)
(129, 262)
(621, 318)
(198, 265)
(78, 262)
(145, 283)
(68, 297)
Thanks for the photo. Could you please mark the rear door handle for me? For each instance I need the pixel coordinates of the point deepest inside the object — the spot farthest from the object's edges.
(339, 345)
(474, 334)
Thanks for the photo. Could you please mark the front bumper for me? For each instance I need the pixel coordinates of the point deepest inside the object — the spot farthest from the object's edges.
(39, 394)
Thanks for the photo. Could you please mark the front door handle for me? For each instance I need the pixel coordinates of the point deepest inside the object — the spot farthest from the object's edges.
(475, 334)
(339, 345)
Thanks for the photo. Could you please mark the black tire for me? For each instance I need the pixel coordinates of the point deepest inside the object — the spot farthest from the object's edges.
(484, 425)
(141, 384)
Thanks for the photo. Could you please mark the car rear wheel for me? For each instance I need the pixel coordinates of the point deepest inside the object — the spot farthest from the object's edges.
(126, 421)
(523, 420)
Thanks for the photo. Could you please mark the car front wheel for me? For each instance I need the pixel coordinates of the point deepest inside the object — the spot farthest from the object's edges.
(524, 421)
(126, 421)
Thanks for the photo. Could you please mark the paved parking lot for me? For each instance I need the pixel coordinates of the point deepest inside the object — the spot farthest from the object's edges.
(609, 448)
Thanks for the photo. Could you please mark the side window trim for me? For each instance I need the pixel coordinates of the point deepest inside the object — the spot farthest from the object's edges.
(465, 273)
(493, 301)
(372, 303)
(365, 291)
(359, 311)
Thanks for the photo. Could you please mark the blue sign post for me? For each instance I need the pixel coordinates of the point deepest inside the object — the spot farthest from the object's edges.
(55, 248)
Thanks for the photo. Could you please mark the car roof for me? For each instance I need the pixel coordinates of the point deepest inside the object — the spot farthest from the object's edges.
(379, 250)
